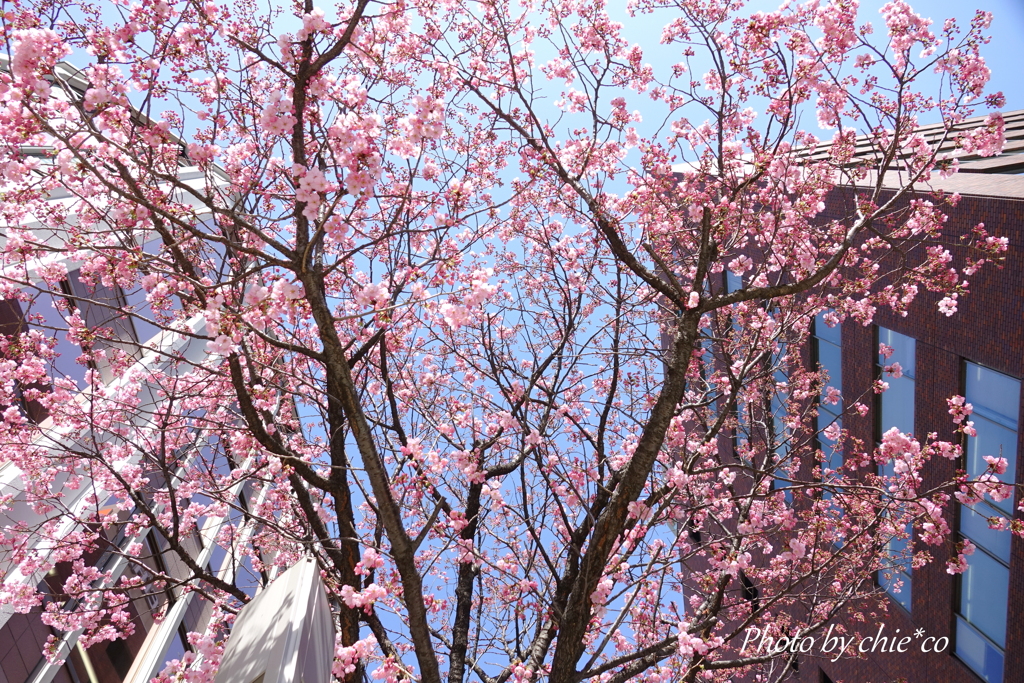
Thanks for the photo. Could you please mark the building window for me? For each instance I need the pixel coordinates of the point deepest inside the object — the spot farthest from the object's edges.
(43, 312)
(741, 409)
(984, 586)
(896, 404)
(120, 657)
(895, 408)
(733, 282)
(828, 356)
(778, 438)
(751, 593)
(102, 309)
(12, 325)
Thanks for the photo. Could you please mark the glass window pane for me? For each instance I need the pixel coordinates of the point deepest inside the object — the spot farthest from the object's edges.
(903, 597)
(974, 525)
(995, 440)
(833, 458)
(904, 350)
(830, 357)
(985, 584)
(733, 282)
(983, 592)
(136, 300)
(827, 414)
(994, 392)
(898, 405)
(12, 320)
(102, 308)
(992, 439)
(780, 433)
(898, 547)
(979, 654)
(823, 331)
(52, 323)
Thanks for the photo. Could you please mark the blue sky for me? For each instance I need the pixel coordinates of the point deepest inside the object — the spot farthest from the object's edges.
(1003, 54)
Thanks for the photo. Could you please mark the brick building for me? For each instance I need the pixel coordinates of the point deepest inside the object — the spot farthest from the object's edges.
(977, 353)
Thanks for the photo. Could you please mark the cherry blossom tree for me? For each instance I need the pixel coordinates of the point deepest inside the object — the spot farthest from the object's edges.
(436, 293)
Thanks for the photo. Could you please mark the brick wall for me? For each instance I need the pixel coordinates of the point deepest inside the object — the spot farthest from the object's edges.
(987, 329)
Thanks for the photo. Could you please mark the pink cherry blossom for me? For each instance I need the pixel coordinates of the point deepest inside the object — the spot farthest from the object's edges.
(471, 306)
